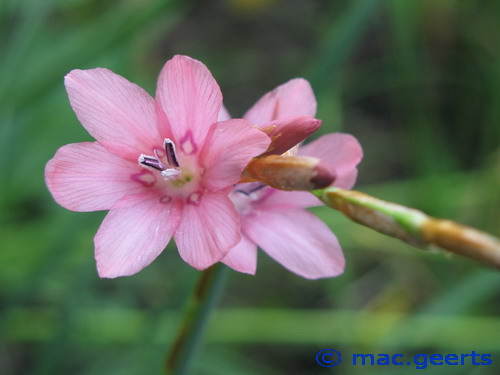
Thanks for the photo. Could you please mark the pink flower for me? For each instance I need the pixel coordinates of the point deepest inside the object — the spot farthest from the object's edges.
(276, 220)
(163, 167)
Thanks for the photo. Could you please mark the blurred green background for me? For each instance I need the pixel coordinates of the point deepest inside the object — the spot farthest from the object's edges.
(417, 81)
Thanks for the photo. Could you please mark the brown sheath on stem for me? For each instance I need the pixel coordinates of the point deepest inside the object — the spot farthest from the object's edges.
(413, 226)
(462, 240)
(289, 172)
(407, 224)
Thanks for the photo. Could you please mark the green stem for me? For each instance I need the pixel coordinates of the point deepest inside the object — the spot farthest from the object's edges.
(190, 335)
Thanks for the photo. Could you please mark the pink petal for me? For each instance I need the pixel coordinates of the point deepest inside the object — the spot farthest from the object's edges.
(298, 240)
(133, 234)
(229, 147)
(86, 177)
(190, 97)
(288, 132)
(117, 113)
(223, 114)
(346, 179)
(342, 152)
(288, 199)
(294, 98)
(243, 257)
(208, 231)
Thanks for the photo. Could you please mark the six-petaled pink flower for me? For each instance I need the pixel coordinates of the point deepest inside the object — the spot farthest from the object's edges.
(163, 167)
(276, 220)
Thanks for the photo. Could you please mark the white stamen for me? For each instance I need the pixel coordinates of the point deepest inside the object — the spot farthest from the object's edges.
(170, 173)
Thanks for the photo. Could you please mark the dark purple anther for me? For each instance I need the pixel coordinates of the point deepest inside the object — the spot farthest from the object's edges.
(151, 161)
(171, 155)
(249, 188)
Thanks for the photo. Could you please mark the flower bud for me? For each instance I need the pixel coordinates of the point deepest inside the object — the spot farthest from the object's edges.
(289, 132)
(290, 172)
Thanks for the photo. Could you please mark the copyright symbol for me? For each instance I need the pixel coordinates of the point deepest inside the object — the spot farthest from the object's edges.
(328, 357)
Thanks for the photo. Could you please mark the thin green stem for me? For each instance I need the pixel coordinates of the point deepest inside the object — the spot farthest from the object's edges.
(190, 335)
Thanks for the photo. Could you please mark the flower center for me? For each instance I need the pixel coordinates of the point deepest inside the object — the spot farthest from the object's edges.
(167, 163)
(164, 161)
(179, 172)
